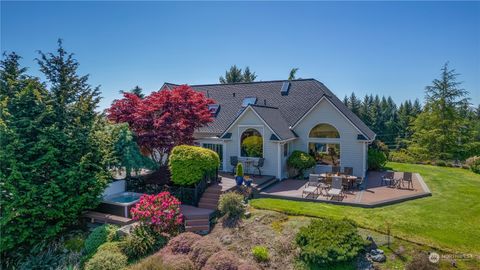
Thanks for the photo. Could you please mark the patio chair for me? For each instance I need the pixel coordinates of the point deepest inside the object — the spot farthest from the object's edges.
(359, 182)
(335, 169)
(407, 178)
(348, 170)
(258, 165)
(311, 187)
(388, 177)
(337, 188)
(233, 162)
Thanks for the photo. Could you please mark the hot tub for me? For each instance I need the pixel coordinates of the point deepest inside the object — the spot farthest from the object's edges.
(119, 204)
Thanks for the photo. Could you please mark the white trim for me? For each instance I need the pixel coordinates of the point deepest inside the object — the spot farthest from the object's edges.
(316, 104)
(240, 116)
(245, 127)
(364, 169)
(279, 160)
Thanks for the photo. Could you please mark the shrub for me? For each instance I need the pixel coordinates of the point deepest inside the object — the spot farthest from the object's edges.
(161, 211)
(142, 242)
(239, 171)
(203, 249)
(441, 163)
(75, 243)
(300, 161)
(223, 260)
(260, 253)
(98, 236)
(329, 241)
(421, 262)
(474, 164)
(189, 164)
(231, 205)
(150, 263)
(110, 247)
(107, 259)
(183, 242)
(247, 266)
(178, 262)
(53, 256)
(401, 156)
(376, 159)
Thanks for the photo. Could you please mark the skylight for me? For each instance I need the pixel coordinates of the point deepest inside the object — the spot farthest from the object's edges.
(213, 108)
(248, 101)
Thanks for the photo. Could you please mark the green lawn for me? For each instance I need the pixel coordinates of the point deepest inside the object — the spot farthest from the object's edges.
(449, 220)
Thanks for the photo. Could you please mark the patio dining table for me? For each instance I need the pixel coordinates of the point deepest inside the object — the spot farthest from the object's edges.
(349, 178)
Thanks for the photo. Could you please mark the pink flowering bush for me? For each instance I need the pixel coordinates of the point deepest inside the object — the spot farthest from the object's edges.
(161, 211)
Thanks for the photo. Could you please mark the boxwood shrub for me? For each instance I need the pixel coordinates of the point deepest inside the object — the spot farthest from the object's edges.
(109, 257)
(188, 164)
(329, 241)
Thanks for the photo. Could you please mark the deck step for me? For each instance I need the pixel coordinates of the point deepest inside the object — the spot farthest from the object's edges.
(212, 206)
(199, 228)
(196, 222)
(267, 184)
(211, 196)
(209, 200)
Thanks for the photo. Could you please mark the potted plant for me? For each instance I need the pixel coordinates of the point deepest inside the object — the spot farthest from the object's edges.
(239, 175)
(248, 181)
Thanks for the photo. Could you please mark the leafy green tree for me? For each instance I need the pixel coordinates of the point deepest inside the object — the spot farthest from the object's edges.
(51, 165)
(440, 131)
(235, 75)
(293, 73)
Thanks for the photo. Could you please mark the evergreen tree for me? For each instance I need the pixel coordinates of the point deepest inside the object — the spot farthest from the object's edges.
(440, 131)
(51, 165)
(137, 90)
(234, 75)
(293, 73)
(249, 76)
(354, 104)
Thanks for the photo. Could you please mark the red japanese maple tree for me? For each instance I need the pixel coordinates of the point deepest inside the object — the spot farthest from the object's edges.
(164, 119)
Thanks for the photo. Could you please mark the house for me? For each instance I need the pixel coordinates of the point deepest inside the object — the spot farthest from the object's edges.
(270, 119)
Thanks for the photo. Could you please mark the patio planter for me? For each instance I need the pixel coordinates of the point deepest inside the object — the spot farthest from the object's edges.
(248, 183)
(239, 180)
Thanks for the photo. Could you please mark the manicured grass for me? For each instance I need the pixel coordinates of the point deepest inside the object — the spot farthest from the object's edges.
(449, 220)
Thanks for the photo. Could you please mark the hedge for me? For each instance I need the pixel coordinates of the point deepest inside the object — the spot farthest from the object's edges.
(189, 164)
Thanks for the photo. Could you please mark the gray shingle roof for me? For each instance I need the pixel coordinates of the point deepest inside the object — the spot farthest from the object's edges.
(287, 110)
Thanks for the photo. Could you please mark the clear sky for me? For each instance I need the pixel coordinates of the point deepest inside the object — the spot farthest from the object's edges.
(385, 48)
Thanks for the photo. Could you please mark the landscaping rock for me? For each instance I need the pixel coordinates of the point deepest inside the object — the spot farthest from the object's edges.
(378, 258)
(248, 214)
(226, 239)
(127, 229)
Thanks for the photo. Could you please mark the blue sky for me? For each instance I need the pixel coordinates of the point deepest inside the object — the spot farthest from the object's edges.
(385, 48)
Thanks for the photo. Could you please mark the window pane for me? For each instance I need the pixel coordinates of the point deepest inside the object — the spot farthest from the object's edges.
(325, 153)
(251, 143)
(324, 131)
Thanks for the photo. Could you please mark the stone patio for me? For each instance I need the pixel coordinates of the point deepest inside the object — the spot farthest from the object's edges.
(373, 194)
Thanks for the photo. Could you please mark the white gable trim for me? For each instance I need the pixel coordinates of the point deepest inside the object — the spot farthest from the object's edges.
(316, 104)
(240, 116)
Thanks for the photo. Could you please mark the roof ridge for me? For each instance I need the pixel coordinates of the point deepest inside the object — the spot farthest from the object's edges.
(262, 106)
(255, 82)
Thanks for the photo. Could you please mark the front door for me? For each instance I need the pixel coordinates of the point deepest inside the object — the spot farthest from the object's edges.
(218, 148)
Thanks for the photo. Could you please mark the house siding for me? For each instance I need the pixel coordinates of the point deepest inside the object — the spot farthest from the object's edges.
(250, 120)
(352, 151)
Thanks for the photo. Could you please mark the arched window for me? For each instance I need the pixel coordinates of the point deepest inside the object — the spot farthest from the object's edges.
(251, 143)
(324, 131)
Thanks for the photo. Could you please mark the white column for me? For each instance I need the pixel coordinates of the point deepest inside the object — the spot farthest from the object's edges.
(279, 161)
(224, 146)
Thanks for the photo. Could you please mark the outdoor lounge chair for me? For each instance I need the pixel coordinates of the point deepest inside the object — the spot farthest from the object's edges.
(348, 170)
(407, 178)
(335, 169)
(233, 162)
(388, 178)
(311, 188)
(337, 188)
(258, 165)
(359, 182)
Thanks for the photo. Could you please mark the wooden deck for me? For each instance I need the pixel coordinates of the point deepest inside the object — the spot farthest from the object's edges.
(228, 180)
(97, 217)
(373, 194)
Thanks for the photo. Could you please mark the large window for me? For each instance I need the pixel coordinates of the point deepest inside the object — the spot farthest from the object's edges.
(251, 143)
(324, 131)
(325, 153)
